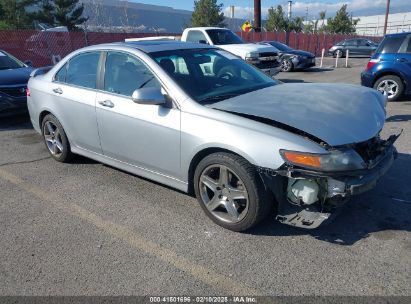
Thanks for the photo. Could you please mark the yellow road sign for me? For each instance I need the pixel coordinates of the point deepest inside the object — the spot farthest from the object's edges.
(246, 27)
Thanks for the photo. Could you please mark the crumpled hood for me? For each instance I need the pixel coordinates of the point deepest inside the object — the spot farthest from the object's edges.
(15, 76)
(337, 114)
(244, 48)
(299, 53)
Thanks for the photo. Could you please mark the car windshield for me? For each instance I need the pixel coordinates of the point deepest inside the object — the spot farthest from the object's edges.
(220, 37)
(211, 75)
(282, 47)
(8, 62)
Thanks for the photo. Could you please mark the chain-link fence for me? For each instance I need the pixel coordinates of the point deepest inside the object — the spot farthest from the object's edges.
(44, 48)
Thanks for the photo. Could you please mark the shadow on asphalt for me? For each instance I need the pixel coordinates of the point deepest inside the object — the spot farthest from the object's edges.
(19, 122)
(399, 118)
(315, 70)
(293, 80)
(380, 212)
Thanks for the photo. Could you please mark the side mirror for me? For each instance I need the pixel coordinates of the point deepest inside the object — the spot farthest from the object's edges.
(28, 63)
(203, 42)
(148, 96)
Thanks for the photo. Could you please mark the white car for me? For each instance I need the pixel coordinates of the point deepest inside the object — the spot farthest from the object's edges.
(264, 57)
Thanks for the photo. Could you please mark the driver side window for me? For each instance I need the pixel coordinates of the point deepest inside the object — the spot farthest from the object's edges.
(124, 74)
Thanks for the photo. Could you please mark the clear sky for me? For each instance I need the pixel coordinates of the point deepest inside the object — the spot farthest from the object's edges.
(244, 8)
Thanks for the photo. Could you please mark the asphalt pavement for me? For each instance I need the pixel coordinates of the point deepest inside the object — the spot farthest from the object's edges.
(88, 229)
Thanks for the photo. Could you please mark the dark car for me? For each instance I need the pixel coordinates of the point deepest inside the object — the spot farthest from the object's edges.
(389, 70)
(292, 59)
(357, 46)
(14, 76)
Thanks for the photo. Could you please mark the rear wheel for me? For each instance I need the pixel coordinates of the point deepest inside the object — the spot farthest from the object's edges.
(391, 85)
(230, 191)
(55, 139)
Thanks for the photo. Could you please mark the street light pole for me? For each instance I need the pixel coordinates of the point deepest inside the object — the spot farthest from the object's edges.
(387, 12)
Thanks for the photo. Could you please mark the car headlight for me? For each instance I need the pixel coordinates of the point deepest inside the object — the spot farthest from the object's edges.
(252, 57)
(336, 160)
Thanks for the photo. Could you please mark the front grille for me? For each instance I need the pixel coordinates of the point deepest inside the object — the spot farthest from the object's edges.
(267, 64)
(14, 91)
(268, 54)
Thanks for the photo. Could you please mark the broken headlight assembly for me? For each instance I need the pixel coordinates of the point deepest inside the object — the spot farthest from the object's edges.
(335, 160)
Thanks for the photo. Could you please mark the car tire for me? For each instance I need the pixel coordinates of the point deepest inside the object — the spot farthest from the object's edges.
(391, 84)
(55, 139)
(286, 65)
(338, 52)
(230, 191)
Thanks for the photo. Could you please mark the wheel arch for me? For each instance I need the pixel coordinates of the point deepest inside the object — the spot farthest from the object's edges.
(43, 114)
(390, 72)
(200, 155)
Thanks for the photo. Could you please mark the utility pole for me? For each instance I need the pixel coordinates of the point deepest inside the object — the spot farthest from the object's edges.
(257, 15)
(387, 12)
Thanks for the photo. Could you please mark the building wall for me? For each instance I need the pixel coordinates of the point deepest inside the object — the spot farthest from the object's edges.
(374, 25)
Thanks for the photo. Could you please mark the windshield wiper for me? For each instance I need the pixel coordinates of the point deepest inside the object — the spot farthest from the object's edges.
(217, 98)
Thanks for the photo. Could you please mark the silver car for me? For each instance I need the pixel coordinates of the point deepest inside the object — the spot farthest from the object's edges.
(200, 120)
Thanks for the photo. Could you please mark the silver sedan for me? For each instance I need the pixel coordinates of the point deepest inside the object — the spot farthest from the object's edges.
(200, 120)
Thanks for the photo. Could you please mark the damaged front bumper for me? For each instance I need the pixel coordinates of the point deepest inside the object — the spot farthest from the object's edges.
(332, 189)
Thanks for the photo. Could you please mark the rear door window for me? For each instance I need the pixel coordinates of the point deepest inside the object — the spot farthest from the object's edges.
(196, 36)
(391, 44)
(82, 70)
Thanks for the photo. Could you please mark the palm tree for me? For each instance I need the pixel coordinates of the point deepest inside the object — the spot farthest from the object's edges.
(322, 17)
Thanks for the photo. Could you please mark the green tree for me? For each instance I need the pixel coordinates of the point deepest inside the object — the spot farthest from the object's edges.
(14, 13)
(342, 23)
(68, 13)
(207, 13)
(46, 13)
(277, 21)
(296, 24)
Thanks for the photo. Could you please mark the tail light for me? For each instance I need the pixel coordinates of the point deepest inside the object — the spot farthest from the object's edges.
(371, 63)
(27, 92)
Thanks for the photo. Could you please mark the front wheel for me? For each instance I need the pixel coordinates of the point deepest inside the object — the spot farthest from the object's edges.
(286, 65)
(391, 85)
(230, 191)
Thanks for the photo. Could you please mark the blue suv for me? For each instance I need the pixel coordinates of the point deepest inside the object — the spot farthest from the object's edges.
(389, 70)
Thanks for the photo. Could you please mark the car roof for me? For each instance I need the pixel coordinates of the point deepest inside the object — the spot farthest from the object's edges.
(398, 34)
(209, 28)
(157, 45)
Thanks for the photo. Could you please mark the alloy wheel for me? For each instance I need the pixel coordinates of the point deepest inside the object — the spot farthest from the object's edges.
(224, 194)
(53, 138)
(389, 87)
(286, 65)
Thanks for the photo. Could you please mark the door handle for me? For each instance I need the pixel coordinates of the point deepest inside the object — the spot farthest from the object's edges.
(58, 91)
(106, 103)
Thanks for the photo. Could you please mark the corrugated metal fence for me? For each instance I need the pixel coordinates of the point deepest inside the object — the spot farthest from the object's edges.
(44, 48)
(313, 43)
